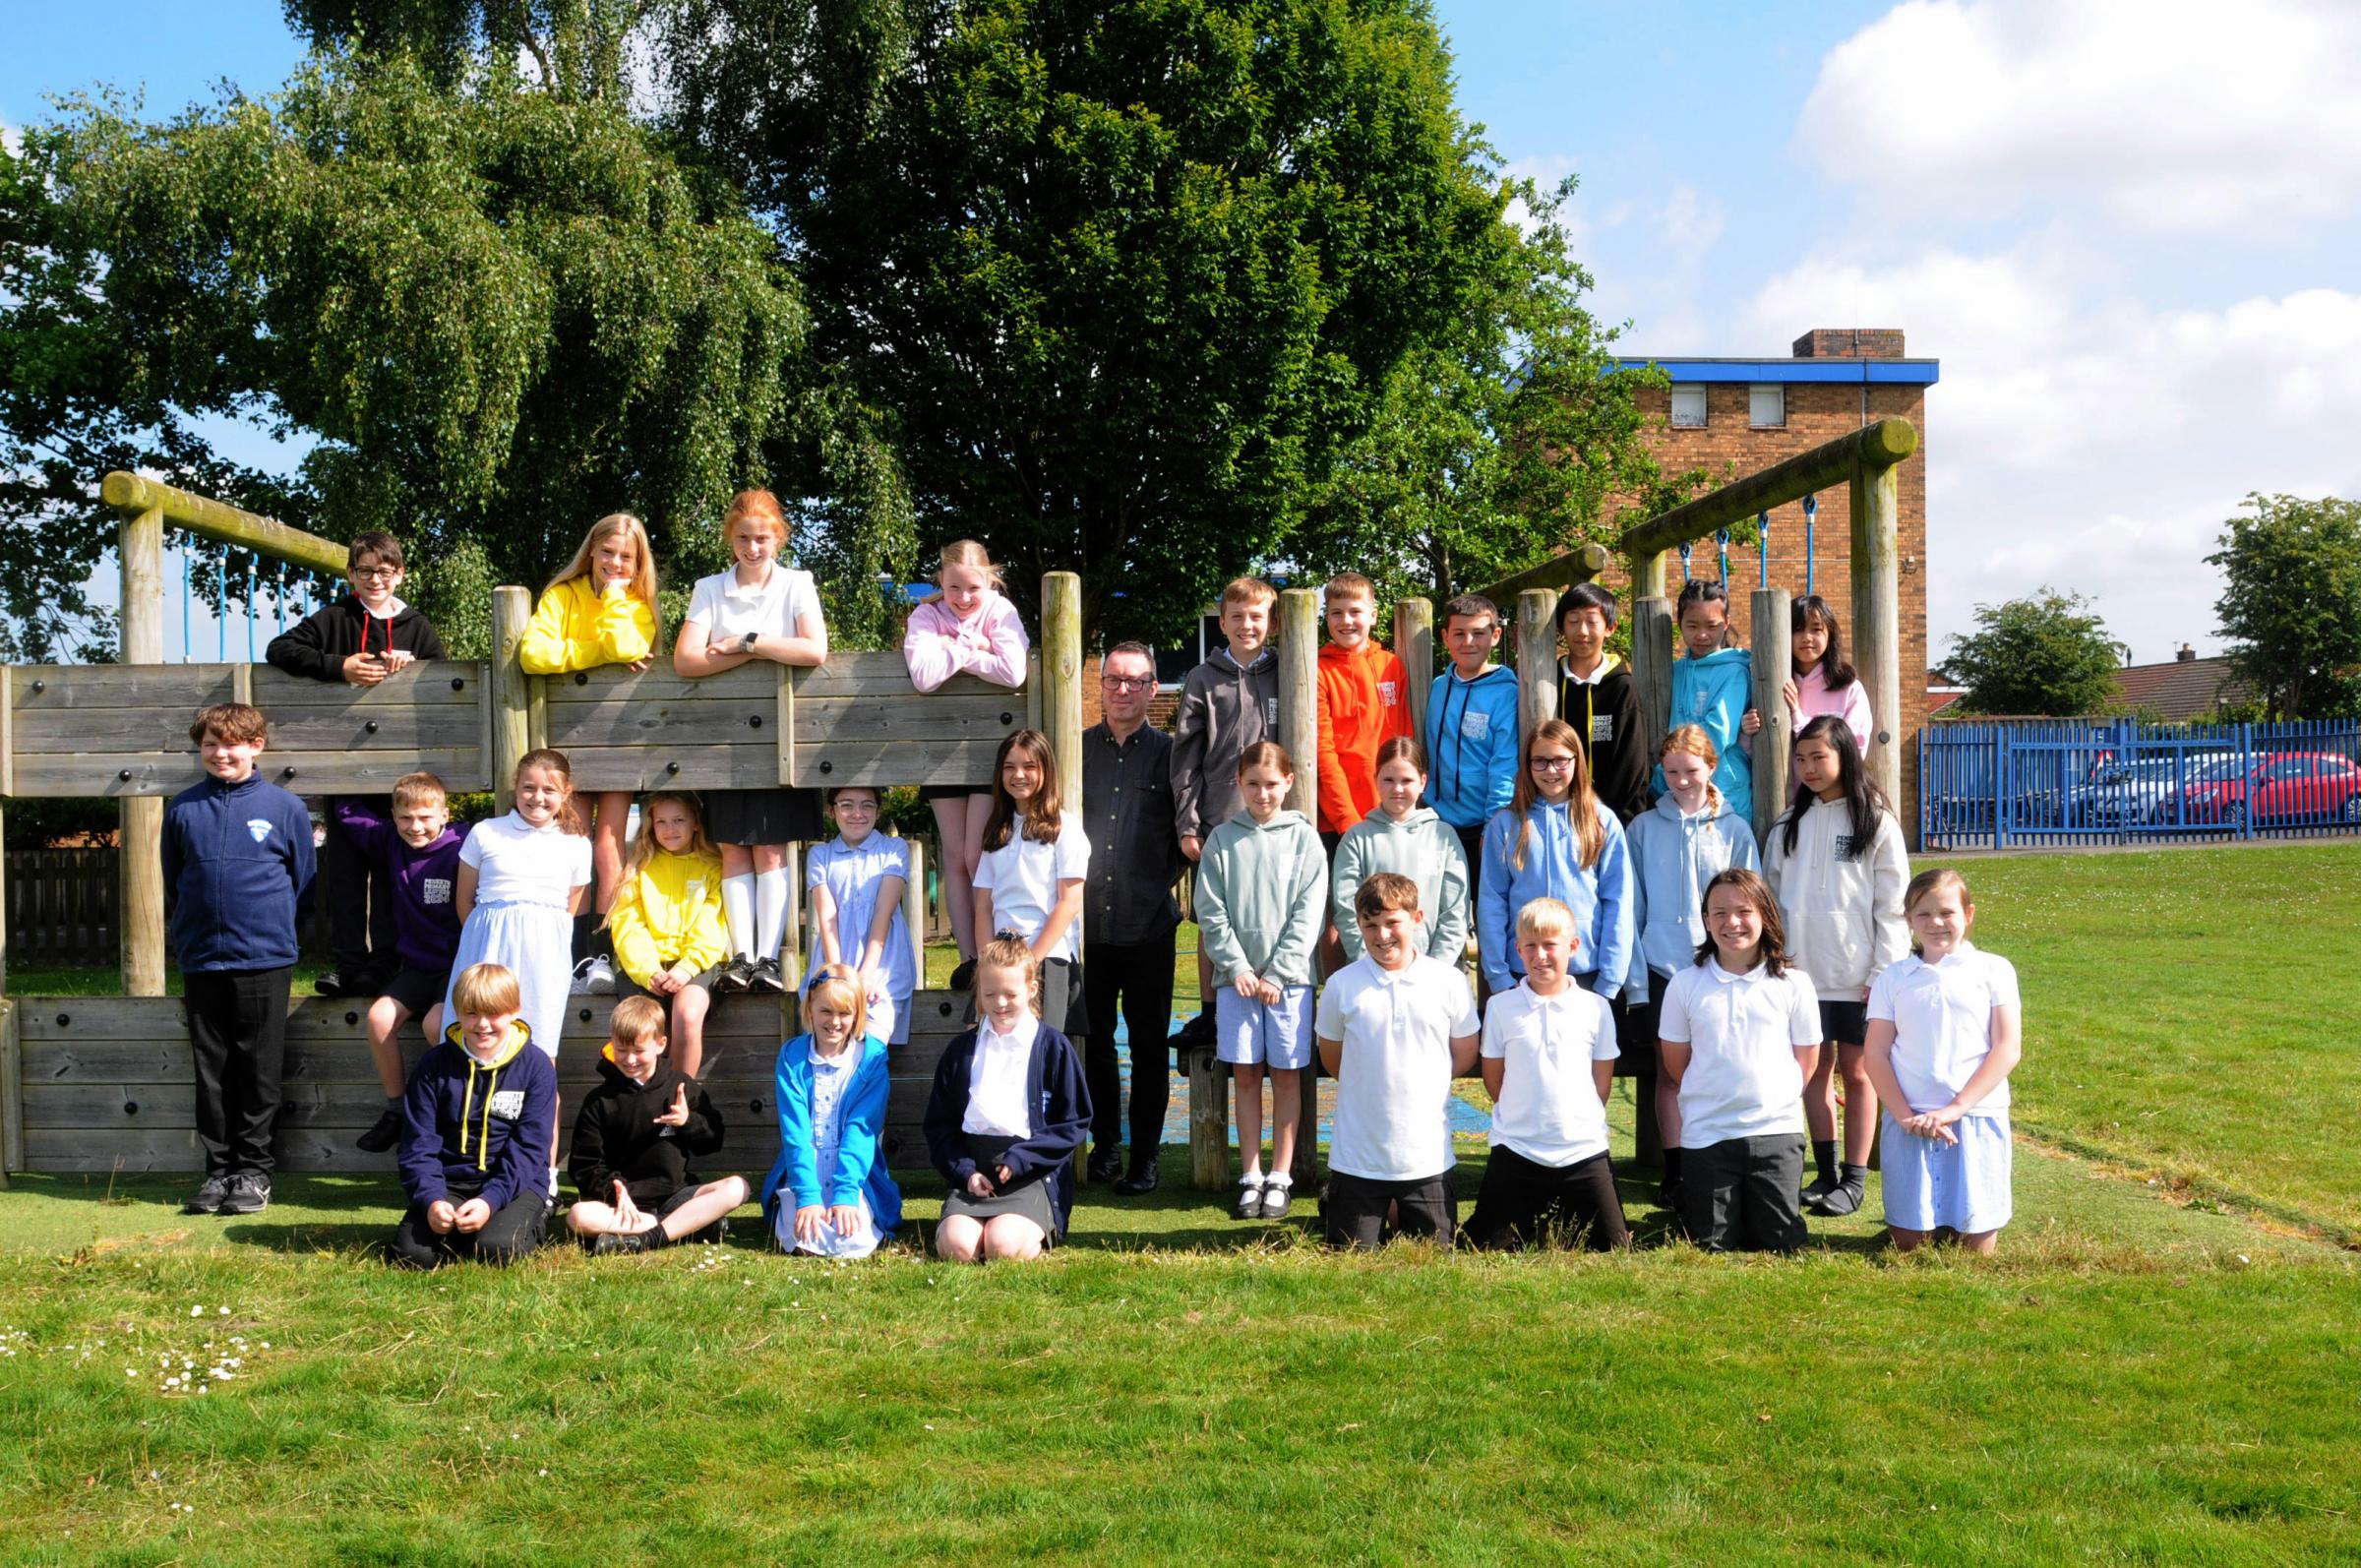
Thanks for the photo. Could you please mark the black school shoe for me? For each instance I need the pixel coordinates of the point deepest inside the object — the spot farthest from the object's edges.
(768, 976)
(249, 1194)
(334, 984)
(383, 1134)
(1139, 1183)
(206, 1199)
(963, 975)
(736, 976)
(1104, 1165)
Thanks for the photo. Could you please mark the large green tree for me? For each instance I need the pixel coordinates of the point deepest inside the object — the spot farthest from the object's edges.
(2047, 654)
(2291, 602)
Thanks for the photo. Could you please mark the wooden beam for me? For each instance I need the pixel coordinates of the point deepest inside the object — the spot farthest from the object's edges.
(1878, 447)
(129, 493)
(1556, 574)
(1772, 664)
(1877, 616)
(512, 700)
(140, 545)
(1413, 645)
(1208, 1123)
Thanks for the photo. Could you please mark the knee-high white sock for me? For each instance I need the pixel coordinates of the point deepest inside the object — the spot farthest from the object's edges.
(738, 912)
(770, 911)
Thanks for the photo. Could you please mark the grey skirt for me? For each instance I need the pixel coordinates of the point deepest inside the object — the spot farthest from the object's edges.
(1030, 1201)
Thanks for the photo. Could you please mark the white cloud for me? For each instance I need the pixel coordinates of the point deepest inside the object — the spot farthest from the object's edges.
(2168, 114)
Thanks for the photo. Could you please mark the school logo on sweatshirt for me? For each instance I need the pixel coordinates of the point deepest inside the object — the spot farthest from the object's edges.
(1603, 728)
(696, 890)
(1385, 693)
(1270, 712)
(508, 1104)
(1476, 724)
(1844, 846)
(434, 889)
(258, 829)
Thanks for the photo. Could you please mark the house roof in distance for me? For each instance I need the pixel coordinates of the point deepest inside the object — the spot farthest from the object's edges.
(2187, 688)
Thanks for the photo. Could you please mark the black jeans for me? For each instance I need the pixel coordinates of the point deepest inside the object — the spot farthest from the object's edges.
(1357, 1205)
(358, 890)
(1523, 1202)
(513, 1229)
(1138, 975)
(1741, 1195)
(238, 1035)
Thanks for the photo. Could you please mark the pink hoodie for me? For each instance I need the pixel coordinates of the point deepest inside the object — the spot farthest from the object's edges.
(990, 644)
(1851, 704)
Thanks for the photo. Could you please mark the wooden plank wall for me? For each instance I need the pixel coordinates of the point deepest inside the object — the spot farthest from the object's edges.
(107, 1082)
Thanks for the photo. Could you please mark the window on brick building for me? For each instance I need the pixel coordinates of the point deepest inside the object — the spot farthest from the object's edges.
(1688, 407)
(1767, 406)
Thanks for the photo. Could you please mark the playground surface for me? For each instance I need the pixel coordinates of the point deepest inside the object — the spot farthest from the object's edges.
(2157, 1367)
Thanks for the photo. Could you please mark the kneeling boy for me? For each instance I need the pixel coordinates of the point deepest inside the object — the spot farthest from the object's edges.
(1394, 1027)
(478, 1121)
(632, 1140)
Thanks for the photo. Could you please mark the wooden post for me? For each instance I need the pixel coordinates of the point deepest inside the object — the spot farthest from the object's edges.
(914, 903)
(12, 1093)
(1300, 732)
(1652, 643)
(141, 854)
(1413, 645)
(1771, 663)
(1536, 660)
(1061, 684)
(798, 955)
(512, 692)
(1877, 614)
(1208, 1123)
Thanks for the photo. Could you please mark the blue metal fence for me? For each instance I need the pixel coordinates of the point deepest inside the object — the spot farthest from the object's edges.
(2026, 783)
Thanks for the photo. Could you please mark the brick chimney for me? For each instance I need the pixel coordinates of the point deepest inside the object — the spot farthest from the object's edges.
(2187, 655)
(1850, 343)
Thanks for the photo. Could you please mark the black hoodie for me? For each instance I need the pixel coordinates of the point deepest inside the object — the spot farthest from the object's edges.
(615, 1134)
(317, 646)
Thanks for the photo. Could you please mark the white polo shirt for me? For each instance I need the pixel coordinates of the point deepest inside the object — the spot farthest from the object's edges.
(1393, 1080)
(1549, 1108)
(728, 609)
(996, 1082)
(517, 863)
(1942, 1018)
(1022, 878)
(1741, 1030)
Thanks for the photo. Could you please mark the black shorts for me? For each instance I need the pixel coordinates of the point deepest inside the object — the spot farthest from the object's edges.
(765, 817)
(416, 989)
(1844, 1023)
(1356, 1209)
(625, 986)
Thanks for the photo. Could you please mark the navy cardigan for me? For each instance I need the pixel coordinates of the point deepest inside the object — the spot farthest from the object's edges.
(1053, 1083)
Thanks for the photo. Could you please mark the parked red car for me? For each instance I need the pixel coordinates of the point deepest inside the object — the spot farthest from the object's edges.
(2287, 786)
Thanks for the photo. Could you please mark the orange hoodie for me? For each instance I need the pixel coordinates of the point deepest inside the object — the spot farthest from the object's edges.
(1364, 701)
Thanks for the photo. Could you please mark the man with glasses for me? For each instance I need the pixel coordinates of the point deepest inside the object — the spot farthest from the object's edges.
(1129, 916)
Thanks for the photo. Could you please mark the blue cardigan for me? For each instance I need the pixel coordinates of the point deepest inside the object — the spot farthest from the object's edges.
(1053, 1082)
(1600, 895)
(859, 1123)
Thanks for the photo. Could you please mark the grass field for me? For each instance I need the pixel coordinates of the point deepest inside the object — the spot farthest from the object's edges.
(2159, 1369)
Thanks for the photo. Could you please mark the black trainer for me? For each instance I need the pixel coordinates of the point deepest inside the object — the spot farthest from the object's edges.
(249, 1194)
(618, 1241)
(963, 975)
(383, 1134)
(206, 1199)
(768, 976)
(735, 976)
(334, 984)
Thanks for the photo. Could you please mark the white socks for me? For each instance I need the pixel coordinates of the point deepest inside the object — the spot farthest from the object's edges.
(770, 912)
(738, 912)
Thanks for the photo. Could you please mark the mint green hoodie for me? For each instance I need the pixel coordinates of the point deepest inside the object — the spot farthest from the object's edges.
(1260, 895)
(1421, 847)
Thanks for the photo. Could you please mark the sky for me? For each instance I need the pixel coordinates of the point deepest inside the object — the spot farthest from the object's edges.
(2127, 230)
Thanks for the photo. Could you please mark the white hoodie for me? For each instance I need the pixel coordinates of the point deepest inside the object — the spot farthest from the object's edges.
(1844, 917)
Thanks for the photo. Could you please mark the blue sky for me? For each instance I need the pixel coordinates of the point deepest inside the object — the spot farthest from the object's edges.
(2127, 229)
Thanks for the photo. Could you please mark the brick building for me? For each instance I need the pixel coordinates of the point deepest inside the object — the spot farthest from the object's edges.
(1735, 416)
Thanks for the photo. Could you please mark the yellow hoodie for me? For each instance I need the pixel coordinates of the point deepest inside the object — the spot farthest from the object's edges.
(669, 912)
(575, 627)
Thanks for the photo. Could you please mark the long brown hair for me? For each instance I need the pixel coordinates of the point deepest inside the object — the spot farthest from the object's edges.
(1582, 802)
(1772, 951)
(570, 816)
(1043, 812)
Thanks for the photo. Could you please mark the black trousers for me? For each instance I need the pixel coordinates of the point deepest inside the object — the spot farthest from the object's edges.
(512, 1230)
(1470, 845)
(358, 890)
(238, 1035)
(1523, 1201)
(1357, 1205)
(1741, 1195)
(1137, 976)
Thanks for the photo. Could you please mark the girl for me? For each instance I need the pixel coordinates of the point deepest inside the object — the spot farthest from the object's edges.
(1008, 1113)
(666, 919)
(1738, 1031)
(520, 882)
(1837, 860)
(830, 1193)
(758, 609)
(1945, 1032)
(1819, 680)
(1260, 884)
(970, 625)
(1690, 836)
(1029, 883)
(1403, 836)
(1712, 688)
(856, 881)
(1555, 840)
(599, 609)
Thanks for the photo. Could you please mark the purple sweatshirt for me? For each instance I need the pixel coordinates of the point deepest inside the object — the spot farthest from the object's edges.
(426, 920)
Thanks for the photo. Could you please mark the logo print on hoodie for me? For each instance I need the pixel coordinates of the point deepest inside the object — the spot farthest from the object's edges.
(508, 1104)
(258, 829)
(434, 889)
(1385, 693)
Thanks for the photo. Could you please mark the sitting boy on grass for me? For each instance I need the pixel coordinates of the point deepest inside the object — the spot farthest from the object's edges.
(632, 1141)
(478, 1122)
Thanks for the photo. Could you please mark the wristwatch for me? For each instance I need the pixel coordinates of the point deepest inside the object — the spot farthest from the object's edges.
(745, 644)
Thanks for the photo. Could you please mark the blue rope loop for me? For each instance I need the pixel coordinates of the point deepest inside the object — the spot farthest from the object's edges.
(1721, 543)
(1811, 510)
(1684, 563)
(1762, 545)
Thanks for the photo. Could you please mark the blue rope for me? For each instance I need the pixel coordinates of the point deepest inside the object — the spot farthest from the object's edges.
(250, 609)
(1762, 546)
(221, 609)
(1684, 563)
(279, 596)
(188, 613)
(1812, 508)
(1722, 540)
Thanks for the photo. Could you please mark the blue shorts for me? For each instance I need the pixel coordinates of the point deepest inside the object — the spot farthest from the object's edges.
(1963, 1185)
(1247, 1034)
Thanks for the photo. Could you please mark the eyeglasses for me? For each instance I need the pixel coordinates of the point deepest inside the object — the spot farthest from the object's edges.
(1553, 764)
(1128, 683)
(374, 574)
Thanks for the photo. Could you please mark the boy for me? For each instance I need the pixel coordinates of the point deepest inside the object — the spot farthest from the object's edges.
(632, 1140)
(1472, 728)
(1393, 1028)
(1227, 704)
(1596, 694)
(480, 1122)
(420, 856)
(237, 854)
(1364, 701)
(360, 639)
(1548, 1174)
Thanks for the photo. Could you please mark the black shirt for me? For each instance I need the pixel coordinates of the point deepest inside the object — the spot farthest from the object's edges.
(1134, 851)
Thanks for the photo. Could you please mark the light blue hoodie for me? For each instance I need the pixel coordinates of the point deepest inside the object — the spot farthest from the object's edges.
(1673, 857)
(1714, 693)
(1472, 745)
(1599, 896)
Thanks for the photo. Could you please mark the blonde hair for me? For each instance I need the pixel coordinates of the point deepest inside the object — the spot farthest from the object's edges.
(419, 789)
(1692, 740)
(837, 985)
(1010, 952)
(1545, 917)
(968, 553)
(1248, 590)
(636, 1020)
(643, 556)
(761, 506)
(645, 847)
(1930, 881)
(486, 988)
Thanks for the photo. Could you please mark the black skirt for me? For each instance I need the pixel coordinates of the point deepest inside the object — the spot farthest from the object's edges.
(765, 817)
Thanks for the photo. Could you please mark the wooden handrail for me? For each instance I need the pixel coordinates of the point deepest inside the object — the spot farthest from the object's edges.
(132, 494)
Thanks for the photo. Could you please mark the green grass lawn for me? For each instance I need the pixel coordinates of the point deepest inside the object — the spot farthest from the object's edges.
(2157, 1368)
